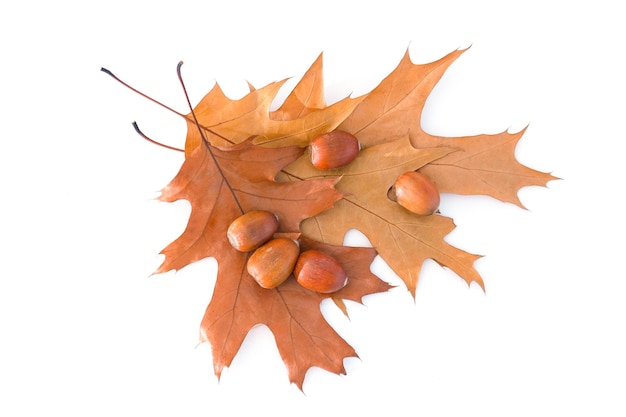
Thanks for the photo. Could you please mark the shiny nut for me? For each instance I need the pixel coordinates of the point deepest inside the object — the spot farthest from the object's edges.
(271, 264)
(251, 230)
(416, 193)
(333, 150)
(319, 272)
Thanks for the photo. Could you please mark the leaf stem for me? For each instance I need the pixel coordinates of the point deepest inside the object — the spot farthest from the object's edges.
(204, 139)
(184, 116)
(154, 141)
(106, 71)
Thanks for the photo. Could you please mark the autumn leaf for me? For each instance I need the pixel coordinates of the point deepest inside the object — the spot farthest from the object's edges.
(394, 107)
(291, 312)
(485, 164)
(482, 164)
(223, 183)
(403, 239)
(225, 121)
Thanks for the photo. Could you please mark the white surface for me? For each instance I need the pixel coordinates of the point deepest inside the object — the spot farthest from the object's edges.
(86, 331)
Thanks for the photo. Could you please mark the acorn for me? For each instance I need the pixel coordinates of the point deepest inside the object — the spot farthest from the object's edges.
(251, 230)
(272, 263)
(333, 150)
(416, 193)
(320, 272)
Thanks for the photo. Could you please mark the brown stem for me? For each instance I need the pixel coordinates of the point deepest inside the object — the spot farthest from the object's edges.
(154, 141)
(204, 140)
(106, 71)
(184, 116)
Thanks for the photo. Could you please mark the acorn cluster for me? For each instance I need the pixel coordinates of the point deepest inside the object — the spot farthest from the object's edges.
(274, 259)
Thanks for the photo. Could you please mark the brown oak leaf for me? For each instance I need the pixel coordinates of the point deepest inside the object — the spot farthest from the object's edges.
(481, 164)
(303, 337)
(223, 183)
(484, 164)
(403, 239)
(225, 121)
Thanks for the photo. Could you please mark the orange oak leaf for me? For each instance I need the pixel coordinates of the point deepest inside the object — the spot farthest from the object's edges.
(223, 183)
(225, 121)
(394, 107)
(481, 164)
(485, 164)
(303, 337)
(403, 239)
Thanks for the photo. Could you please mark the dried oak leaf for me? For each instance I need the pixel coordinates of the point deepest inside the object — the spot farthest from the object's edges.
(484, 164)
(388, 119)
(403, 239)
(225, 121)
(223, 183)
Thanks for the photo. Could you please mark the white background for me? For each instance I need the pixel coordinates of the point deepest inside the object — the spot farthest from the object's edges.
(86, 331)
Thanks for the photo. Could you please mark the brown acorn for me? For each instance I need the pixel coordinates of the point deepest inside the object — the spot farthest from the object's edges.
(319, 272)
(271, 264)
(416, 193)
(251, 230)
(333, 150)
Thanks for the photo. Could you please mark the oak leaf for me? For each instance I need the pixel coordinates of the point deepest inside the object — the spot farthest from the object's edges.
(484, 164)
(403, 239)
(225, 121)
(223, 183)
(391, 113)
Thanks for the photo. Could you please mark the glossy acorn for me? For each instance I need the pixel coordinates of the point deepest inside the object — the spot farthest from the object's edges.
(416, 193)
(319, 272)
(333, 150)
(251, 230)
(272, 263)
